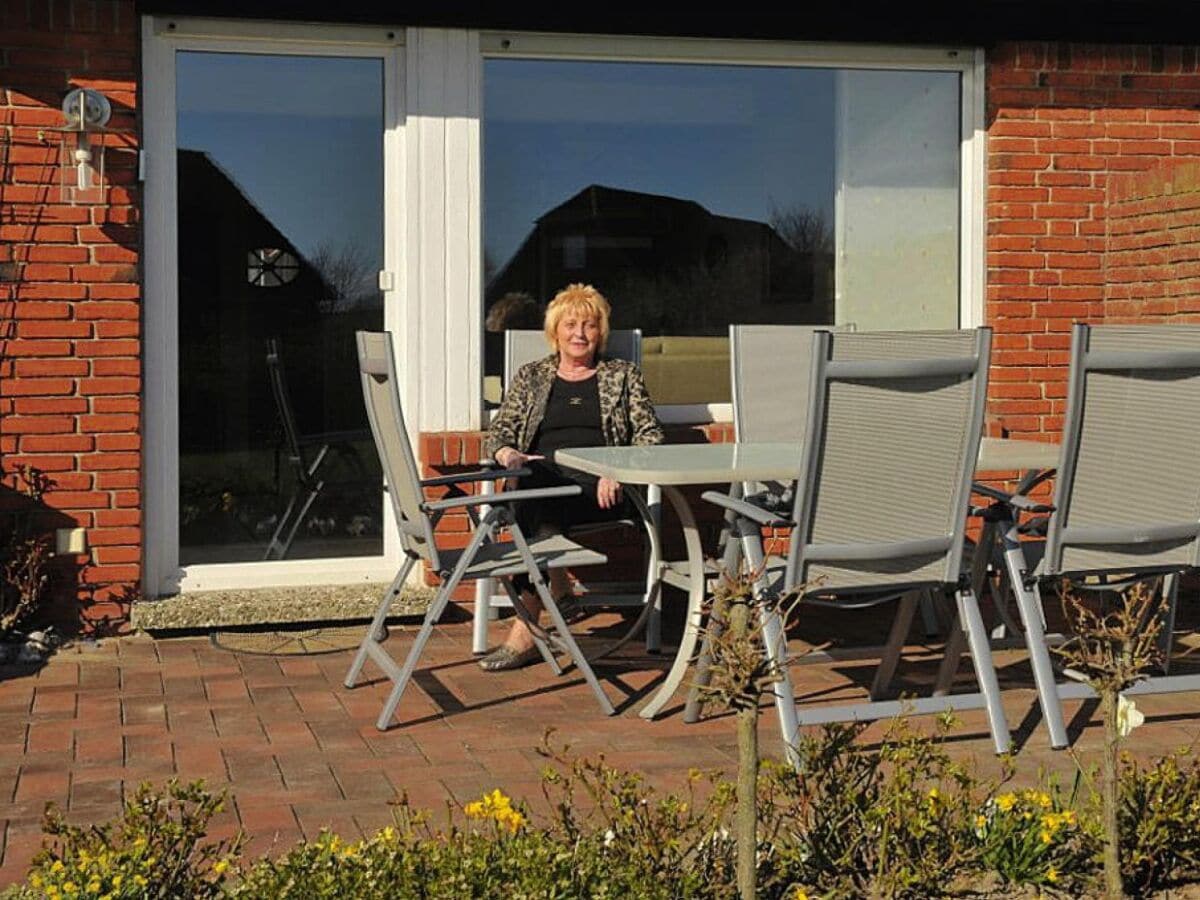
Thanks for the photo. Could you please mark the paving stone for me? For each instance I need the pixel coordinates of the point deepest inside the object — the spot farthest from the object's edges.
(298, 751)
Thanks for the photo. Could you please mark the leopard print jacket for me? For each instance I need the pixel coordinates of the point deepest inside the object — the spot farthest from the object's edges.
(626, 413)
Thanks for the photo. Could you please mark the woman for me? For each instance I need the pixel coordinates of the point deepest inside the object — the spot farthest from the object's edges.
(572, 398)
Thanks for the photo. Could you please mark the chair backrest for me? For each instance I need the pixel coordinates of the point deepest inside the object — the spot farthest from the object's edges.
(895, 422)
(283, 405)
(523, 345)
(1127, 495)
(377, 368)
(769, 371)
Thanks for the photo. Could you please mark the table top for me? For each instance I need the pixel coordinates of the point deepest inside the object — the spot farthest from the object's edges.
(715, 463)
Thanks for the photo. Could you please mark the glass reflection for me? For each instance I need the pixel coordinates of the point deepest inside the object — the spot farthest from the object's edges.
(280, 176)
(697, 196)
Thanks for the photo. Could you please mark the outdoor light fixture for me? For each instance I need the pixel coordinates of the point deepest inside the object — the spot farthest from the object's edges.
(82, 156)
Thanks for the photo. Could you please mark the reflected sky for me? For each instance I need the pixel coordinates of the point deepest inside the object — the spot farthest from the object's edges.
(302, 136)
(741, 141)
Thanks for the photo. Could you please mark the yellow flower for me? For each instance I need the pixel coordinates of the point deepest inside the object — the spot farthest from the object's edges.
(1006, 802)
(221, 866)
(1046, 836)
(981, 821)
(1052, 875)
(139, 880)
(57, 867)
(1043, 800)
(118, 879)
(69, 887)
(51, 890)
(800, 894)
(1069, 817)
(474, 810)
(388, 834)
(93, 886)
(35, 880)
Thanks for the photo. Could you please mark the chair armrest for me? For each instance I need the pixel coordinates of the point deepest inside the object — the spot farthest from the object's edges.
(744, 509)
(481, 475)
(569, 490)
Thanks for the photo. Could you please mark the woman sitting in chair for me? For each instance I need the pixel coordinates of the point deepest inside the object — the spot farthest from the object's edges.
(575, 397)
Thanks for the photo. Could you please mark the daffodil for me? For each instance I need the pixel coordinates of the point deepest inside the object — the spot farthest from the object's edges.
(1006, 802)
(1052, 875)
(221, 866)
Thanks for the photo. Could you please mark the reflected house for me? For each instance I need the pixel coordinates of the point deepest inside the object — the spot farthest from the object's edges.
(668, 263)
(233, 296)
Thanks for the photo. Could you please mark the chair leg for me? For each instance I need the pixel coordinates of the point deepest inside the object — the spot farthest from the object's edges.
(985, 670)
(901, 624)
(774, 641)
(376, 630)
(518, 605)
(1029, 605)
(1166, 637)
(562, 634)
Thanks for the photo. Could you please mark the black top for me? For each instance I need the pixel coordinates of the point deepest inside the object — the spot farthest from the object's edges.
(572, 417)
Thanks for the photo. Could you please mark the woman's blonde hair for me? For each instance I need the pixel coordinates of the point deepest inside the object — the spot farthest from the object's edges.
(581, 299)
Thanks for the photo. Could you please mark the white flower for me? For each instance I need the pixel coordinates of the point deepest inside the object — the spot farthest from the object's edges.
(609, 837)
(1129, 716)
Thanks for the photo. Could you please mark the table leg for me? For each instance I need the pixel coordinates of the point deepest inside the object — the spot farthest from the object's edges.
(691, 627)
(484, 589)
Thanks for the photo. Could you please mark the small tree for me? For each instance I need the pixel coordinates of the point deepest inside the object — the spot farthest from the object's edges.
(1111, 652)
(739, 674)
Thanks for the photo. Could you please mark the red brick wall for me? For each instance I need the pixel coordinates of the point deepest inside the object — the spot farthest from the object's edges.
(70, 371)
(1063, 121)
(1152, 262)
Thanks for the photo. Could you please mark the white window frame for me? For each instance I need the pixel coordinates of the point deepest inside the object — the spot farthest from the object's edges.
(968, 62)
(162, 37)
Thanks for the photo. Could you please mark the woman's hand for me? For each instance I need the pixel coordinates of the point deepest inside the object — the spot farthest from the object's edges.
(512, 458)
(608, 493)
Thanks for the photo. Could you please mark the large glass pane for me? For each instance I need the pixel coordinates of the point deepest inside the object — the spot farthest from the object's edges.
(695, 196)
(280, 168)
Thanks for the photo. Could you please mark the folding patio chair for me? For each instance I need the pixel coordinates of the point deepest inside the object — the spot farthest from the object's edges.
(894, 425)
(523, 346)
(307, 454)
(484, 556)
(1126, 501)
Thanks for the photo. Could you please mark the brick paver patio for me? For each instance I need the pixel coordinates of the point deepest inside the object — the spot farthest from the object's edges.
(299, 752)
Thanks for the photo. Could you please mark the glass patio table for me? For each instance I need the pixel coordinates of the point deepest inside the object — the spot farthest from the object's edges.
(674, 466)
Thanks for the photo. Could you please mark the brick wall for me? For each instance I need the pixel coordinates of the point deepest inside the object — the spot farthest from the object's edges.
(1152, 261)
(70, 371)
(1066, 121)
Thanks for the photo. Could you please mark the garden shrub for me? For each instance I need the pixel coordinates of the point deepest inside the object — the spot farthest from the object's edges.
(1159, 815)
(899, 820)
(156, 850)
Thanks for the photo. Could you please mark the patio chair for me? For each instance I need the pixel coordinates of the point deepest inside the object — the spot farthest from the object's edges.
(764, 413)
(523, 346)
(484, 556)
(1126, 502)
(894, 425)
(308, 455)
